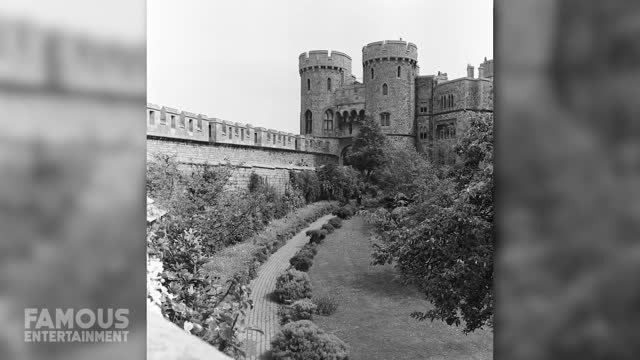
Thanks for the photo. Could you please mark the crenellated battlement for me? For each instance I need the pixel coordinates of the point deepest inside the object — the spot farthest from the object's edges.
(168, 122)
(54, 60)
(390, 50)
(324, 59)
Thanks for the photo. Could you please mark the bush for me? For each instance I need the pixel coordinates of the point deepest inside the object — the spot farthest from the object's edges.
(301, 261)
(335, 222)
(328, 228)
(299, 310)
(293, 285)
(316, 236)
(344, 212)
(307, 183)
(303, 340)
(326, 305)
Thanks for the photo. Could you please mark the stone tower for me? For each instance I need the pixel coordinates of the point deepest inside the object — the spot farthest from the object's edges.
(390, 68)
(321, 73)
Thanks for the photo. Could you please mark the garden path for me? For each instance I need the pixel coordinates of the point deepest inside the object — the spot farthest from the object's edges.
(264, 315)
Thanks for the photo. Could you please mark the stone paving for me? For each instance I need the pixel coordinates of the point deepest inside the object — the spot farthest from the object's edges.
(264, 315)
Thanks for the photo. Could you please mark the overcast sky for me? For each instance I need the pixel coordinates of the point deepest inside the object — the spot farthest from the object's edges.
(238, 60)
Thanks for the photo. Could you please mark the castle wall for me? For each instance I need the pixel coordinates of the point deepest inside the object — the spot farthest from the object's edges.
(272, 163)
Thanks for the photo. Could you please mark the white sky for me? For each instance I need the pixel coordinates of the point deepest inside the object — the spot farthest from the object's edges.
(238, 60)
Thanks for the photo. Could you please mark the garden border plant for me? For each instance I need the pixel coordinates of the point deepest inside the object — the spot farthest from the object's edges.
(300, 338)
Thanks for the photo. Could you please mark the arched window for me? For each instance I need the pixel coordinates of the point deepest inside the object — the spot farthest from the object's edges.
(173, 121)
(152, 117)
(372, 73)
(384, 119)
(329, 84)
(308, 116)
(328, 120)
(385, 89)
(308, 84)
(399, 71)
(191, 125)
(451, 100)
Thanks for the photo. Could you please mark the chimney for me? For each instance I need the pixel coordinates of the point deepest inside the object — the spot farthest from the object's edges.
(470, 71)
(481, 72)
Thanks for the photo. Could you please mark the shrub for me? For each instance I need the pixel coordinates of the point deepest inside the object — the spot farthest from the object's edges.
(328, 228)
(307, 183)
(301, 261)
(311, 248)
(316, 236)
(335, 222)
(327, 305)
(303, 340)
(292, 285)
(299, 310)
(344, 212)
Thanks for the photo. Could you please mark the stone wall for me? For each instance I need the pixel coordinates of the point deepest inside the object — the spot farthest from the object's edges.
(272, 164)
(381, 62)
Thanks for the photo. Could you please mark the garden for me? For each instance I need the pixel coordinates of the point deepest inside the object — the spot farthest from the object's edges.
(403, 269)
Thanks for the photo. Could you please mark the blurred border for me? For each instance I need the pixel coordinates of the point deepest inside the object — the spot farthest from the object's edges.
(72, 170)
(567, 165)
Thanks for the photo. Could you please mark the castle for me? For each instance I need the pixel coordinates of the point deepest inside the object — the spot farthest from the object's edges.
(413, 110)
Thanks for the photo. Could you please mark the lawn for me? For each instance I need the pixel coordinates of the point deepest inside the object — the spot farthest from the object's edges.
(373, 315)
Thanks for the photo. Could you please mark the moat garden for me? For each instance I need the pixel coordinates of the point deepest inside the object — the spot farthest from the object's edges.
(388, 258)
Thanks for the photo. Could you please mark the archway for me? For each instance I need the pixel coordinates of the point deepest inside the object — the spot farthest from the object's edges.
(344, 154)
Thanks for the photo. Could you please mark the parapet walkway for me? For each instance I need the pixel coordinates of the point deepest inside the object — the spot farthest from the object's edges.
(264, 315)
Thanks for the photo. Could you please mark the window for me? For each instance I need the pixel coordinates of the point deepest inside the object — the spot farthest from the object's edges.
(230, 133)
(329, 84)
(385, 89)
(308, 117)
(451, 101)
(446, 131)
(274, 139)
(199, 124)
(182, 123)
(328, 120)
(255, 137)
(242, 134)
(191, 125)
(163, 119)
(350, 128)
(399, 71)
(384, 119)
(173, 122)
(372, 73)
(423, 109)
(152, 117)
(308, 84)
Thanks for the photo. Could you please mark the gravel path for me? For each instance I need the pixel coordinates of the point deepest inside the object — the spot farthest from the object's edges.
(264, 315)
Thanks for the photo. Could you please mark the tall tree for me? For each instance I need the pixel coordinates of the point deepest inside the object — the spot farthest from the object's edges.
(368, 150)
(444, 241)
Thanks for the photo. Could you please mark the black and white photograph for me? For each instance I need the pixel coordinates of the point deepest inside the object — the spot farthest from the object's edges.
(320, 178)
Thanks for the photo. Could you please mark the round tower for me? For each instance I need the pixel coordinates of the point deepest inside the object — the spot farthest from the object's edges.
(321, 73)
(390, 68)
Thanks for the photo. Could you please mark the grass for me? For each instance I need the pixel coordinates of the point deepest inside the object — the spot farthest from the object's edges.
(373, 316)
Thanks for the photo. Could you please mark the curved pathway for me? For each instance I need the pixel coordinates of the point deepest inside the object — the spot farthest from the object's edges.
(264, 315)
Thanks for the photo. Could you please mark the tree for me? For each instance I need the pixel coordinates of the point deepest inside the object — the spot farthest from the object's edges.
(444, 240)
(368, 150)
